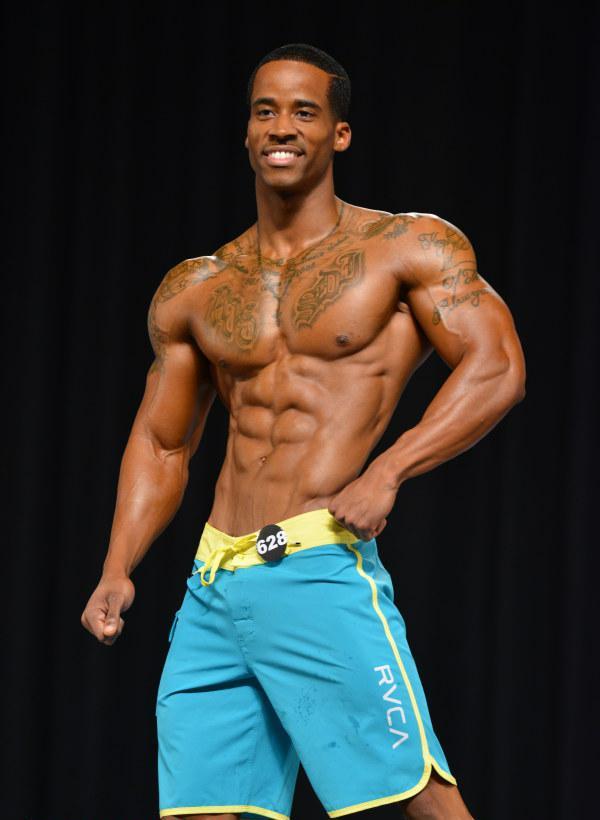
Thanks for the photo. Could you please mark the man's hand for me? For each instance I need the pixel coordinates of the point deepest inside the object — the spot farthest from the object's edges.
(362, 506)
(102, 615)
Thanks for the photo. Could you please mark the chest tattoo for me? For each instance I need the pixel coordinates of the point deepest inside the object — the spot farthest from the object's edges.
(234, 317)
(347, 270)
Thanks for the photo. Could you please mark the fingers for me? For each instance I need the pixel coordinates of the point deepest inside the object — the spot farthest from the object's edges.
(113, 623)
(104, 620)
(104, 629)
(112, 631)
(365, 532)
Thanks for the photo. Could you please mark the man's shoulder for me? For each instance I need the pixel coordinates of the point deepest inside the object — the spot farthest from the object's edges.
(431, 225)
(410, 233)
(415, 245)
(370, 223)
(197, 269)
(187, 273)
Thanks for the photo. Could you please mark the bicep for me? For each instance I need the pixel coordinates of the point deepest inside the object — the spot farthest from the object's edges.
(179, 391)
(459, 311)
(178, 396)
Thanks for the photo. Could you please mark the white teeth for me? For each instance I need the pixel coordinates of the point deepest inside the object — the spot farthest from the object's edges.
(281, 154)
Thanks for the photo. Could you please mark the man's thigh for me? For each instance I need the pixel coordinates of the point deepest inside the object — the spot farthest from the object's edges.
(328, 645)
(222, 749)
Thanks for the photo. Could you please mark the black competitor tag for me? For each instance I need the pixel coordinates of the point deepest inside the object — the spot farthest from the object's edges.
(271, 542)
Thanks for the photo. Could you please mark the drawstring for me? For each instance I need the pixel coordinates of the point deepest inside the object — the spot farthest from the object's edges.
(214, 560)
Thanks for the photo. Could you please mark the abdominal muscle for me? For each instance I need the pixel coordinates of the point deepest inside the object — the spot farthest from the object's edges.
(300, 431)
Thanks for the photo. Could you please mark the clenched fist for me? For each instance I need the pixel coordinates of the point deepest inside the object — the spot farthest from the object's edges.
(363, 505)
(102, 615)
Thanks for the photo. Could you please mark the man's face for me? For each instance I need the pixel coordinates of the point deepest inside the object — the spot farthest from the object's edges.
(292, 132)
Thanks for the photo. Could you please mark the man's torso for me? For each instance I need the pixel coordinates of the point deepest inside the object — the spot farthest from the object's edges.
(310, 357)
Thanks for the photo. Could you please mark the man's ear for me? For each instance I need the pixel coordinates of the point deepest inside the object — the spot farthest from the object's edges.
(343, 137)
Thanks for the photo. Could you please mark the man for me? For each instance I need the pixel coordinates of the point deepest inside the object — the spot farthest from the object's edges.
(288, 645)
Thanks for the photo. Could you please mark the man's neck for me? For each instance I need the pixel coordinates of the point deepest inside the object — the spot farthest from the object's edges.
(289, 223)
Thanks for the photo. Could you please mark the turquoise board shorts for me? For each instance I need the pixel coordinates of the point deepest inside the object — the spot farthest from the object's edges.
(301, 659)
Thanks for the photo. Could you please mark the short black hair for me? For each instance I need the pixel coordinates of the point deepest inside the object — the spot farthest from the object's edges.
(338, 93)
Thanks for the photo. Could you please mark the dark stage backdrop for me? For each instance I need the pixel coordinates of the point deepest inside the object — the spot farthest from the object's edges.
(124, 155)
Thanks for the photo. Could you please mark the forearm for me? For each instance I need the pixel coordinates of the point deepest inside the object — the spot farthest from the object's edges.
(151, 486)
(472, 400)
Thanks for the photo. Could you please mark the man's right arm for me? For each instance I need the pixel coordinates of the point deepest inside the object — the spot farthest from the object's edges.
(164, 436)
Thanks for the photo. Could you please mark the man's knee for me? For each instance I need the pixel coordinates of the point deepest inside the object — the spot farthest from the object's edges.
(439, 800)
(423, 806)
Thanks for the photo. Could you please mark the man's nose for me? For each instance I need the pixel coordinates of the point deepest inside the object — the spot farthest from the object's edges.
(282, 127)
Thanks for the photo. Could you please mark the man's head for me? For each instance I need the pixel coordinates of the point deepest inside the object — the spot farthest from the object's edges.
(338, 92)
(298, 97)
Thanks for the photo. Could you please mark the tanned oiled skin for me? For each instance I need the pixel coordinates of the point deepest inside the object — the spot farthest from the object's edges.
(308, 327)
(309, 357)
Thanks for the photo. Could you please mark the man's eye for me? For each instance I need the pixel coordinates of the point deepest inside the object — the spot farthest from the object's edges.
(263, 111)
(305, 114)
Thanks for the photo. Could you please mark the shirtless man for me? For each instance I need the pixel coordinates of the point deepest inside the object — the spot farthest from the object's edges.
(308, 326)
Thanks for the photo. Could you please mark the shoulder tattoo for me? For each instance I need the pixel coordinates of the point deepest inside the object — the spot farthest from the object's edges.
(182, 276)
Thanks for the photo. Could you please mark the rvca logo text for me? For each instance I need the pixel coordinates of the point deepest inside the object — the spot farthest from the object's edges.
(387, 678)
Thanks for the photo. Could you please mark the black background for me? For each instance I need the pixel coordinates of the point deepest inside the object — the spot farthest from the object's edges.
(124, 155)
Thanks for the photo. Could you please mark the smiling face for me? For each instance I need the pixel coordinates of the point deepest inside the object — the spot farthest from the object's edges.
(292, 133)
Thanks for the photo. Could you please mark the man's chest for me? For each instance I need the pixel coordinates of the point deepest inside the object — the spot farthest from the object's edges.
(325, 303)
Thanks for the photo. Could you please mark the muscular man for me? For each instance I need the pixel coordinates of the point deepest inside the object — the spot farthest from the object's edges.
(288, 645)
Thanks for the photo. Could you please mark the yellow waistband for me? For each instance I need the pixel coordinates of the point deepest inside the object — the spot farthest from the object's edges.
(309, 529)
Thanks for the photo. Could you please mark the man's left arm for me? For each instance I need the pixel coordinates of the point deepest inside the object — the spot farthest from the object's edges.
(472, 329)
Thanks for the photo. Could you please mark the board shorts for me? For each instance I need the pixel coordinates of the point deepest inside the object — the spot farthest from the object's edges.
(276, 662)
